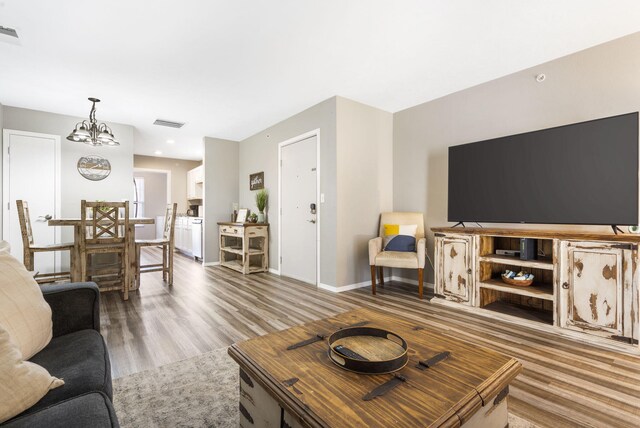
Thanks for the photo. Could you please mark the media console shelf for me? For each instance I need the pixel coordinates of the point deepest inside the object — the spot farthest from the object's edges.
(585, 282)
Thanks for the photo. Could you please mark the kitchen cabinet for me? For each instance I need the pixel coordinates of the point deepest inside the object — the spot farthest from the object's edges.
(195, 183)
(182, 234)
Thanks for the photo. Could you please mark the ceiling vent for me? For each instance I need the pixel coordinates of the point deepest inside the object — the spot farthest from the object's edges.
(168, 123)
(11, 32)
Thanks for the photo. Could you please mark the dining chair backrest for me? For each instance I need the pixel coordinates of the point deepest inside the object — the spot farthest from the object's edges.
(25, 223)
(169, 221)
(104, 222)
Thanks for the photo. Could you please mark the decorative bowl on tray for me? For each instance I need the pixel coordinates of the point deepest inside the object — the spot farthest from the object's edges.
(520, 279)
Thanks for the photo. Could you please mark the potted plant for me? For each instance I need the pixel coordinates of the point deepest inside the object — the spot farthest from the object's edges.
(253, 218)
(262, 196)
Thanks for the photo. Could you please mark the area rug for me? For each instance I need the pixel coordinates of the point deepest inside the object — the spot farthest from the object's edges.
(197, 392)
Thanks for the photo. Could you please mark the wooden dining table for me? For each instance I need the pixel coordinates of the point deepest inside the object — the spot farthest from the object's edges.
(76, 275)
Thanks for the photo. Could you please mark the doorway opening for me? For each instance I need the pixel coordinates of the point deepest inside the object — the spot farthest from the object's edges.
(151, 194)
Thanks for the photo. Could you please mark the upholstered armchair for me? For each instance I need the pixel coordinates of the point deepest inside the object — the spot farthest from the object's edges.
(380, 258)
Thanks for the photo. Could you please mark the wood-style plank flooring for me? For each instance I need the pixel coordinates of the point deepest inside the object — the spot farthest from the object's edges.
(564, 383)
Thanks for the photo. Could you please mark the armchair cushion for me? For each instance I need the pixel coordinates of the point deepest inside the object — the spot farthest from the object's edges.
(397, 259)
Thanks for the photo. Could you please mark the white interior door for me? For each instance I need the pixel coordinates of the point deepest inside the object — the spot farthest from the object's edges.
(298, 181)
(31, 173)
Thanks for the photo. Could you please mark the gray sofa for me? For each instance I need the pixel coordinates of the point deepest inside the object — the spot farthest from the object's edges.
(78, 354)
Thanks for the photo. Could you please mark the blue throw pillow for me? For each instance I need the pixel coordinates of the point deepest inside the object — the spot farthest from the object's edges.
(401, 243)
(400, 237)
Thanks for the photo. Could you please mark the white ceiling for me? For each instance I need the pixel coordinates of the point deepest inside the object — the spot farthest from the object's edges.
(232, 68)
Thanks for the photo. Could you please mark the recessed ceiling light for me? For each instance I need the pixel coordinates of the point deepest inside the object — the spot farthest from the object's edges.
(170, 141)
(158, 152)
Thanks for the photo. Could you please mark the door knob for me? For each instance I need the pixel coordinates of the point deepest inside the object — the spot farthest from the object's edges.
(311, 221)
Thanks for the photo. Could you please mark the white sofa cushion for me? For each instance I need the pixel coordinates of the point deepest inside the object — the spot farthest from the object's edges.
(22, 384)
(23, 311)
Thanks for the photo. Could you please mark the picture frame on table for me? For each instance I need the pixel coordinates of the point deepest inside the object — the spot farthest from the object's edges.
(242, 215)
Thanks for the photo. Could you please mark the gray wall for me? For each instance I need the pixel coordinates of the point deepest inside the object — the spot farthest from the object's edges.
(598, 82)
(155, 201)
(260, 153)
(220, 190)
(365, 184)
(178, 168)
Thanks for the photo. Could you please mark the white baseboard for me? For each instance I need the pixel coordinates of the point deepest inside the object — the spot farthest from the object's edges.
(342, 288)
(411, 281)
(348, 287)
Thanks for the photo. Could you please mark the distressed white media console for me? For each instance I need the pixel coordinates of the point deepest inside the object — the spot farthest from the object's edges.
(586, 284)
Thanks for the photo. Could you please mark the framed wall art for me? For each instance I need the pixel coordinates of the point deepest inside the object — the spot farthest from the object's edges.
(256, 181)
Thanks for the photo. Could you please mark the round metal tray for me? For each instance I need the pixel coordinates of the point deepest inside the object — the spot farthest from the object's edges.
(368, 350)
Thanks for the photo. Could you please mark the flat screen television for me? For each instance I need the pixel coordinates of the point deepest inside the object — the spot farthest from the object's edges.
(583, 173)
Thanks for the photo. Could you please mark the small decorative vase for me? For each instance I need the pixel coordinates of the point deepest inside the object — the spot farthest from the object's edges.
(260, 217)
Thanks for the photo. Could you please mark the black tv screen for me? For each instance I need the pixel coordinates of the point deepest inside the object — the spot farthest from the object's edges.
(583, 173)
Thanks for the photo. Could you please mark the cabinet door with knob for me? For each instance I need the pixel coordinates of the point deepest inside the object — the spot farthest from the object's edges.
(454, 279)
(597, 289)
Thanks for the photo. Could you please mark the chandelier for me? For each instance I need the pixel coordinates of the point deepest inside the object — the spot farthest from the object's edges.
(91, 133)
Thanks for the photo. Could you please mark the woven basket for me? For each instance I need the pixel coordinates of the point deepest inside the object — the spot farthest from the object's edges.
(520, 283)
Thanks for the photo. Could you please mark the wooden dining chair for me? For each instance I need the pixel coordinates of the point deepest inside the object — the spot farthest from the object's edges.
(168, 247)
(30, 248)
(105, 230)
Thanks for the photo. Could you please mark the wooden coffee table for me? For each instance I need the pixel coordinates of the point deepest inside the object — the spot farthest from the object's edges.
(303, 388)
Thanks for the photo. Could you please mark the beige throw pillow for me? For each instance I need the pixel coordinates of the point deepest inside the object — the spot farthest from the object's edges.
(22, 384)
(23, 311)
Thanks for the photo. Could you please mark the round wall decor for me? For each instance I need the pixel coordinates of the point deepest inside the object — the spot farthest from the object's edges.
(94, 167)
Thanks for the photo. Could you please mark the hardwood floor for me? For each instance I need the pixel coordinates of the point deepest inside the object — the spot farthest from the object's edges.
(564, 383)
